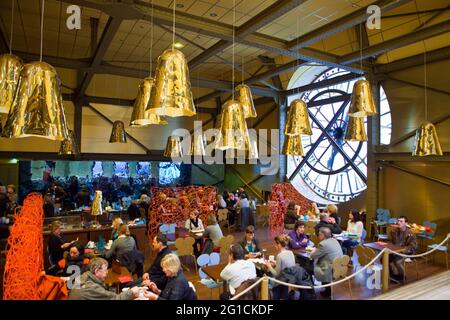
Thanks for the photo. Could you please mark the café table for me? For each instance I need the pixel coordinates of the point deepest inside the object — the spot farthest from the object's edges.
(303, 258)
(379, 246)
(214, 273)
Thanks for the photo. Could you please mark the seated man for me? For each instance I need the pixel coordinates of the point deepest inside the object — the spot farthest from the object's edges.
(74, 258)
(155, 273)
(238, 270)
(92, 285)
(403, 237)
(328, 250)
(298, 238)
(328, 222)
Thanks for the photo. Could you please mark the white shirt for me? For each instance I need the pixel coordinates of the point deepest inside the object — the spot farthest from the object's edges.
(355, 228)
(190, 226)
(243, 203)
(237, 272)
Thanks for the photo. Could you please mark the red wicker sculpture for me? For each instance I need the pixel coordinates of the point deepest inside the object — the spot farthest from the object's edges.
(173, 205)
(25, 258)
(282, 194)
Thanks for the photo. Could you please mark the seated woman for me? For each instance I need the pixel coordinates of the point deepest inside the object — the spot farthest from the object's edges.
(291, 215)
(285, 259)
(123, 244)
(195, 224)
(298, 238)
(250, 244)
(354, 226)
(177, 287)
(124, 249)
(212, 234)
(117, 221)
(74, 258)
(333, 213)
(314, 211)
(56, 244)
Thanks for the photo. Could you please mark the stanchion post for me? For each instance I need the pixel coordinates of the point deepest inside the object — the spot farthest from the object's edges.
(385, 274)
(265, 289)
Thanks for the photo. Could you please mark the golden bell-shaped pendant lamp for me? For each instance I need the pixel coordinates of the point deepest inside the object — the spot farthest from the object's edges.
(140, 117)
(197, 145)
(298, 119)
(118, 133)
(355, 130)
(10, 67)
(293, 146)
(246, 100)
(38, 108)
(362, 104)
(173, 148)
(426, 142)
(171, 95)
(233, 128)
(96, 208)
(68, 146)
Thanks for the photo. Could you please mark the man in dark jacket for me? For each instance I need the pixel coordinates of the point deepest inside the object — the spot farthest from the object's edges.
(328, 222)
(155, 273)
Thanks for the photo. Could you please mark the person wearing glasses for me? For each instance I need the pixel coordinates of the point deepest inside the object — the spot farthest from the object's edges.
(93, 287)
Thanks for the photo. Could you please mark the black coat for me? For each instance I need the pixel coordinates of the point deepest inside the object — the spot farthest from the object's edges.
(155, 271)
(177, 288)
(335, 228)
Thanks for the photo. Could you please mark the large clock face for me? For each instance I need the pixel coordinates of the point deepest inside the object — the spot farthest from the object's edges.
(334, 169)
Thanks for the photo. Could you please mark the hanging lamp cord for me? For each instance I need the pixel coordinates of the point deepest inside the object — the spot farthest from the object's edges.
(151, 40)
(425, 85)
(42, 28)
(173, 25)
(12, 26)
(232, 70)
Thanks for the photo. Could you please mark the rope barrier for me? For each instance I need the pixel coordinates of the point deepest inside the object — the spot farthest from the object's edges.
(422, 254)
(342, 280)
(331, 283)
(248, 289)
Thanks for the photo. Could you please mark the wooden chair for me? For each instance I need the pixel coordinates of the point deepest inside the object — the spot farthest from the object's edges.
(208, 260)
(115, 273)
(185, 249)
(443, 249)
(309, 228)
(314, 239)
(225, 244)
(262, 216)
(340, 270)
(222, 218)
(410, 260)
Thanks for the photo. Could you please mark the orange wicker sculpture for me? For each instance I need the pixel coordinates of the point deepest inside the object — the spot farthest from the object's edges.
(282, 194)
(173, 205)
(24, 261)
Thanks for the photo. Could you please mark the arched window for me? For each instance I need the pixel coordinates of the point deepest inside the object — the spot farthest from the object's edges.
(331, 171)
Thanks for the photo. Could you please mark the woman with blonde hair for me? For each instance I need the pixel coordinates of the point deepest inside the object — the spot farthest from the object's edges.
(117, 221)
(314, 210)
(56, 244)
(177, 287)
